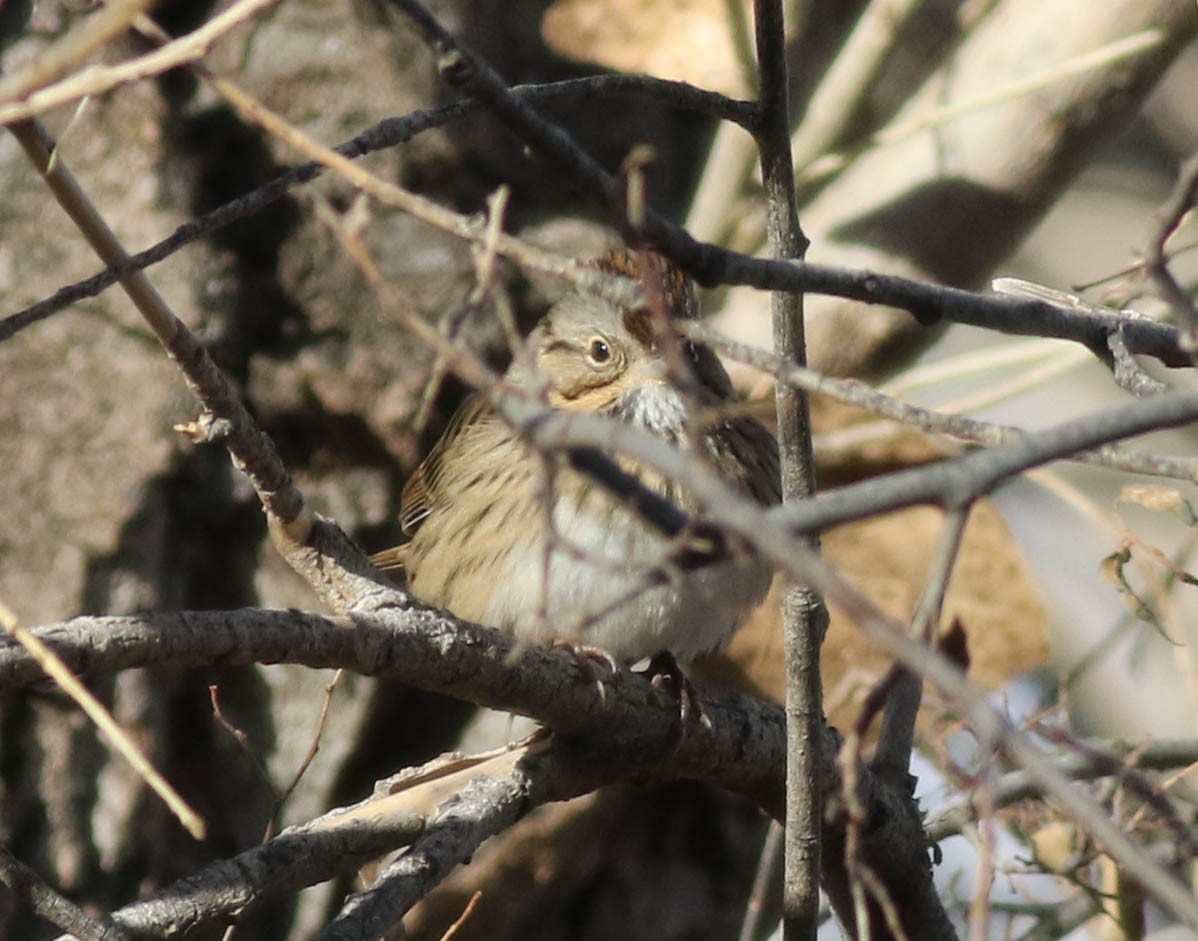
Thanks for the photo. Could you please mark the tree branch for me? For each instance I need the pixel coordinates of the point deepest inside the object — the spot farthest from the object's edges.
(803, 616)
(1181, 201)
(45, 902)
(958, 481)
(387, 133)
(1015, 786)
(101, 79)
(991, 434)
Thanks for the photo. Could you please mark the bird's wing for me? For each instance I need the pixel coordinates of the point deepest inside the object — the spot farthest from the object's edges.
(758, 475)
(422, 493)
(394, 559)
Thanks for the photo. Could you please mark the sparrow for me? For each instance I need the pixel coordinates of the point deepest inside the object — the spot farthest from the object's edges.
(525, 543)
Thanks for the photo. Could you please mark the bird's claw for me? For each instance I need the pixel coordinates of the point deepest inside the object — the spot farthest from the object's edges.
(596, 664)
(665, 673)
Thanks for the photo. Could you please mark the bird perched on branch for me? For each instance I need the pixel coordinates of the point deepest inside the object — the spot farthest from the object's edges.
(505, 537)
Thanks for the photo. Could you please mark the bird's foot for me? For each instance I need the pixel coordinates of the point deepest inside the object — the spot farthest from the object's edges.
(596, 664)
(665, 673)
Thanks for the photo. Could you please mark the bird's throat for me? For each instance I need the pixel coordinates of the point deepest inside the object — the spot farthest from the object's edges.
(657, 407)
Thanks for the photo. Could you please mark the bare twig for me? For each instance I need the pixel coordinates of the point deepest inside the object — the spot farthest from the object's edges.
(1156, 261)
(300, 856)
(991, 434)
(767, 865)
(1015, 786)
(1016, 316)
(72, 49)
(94, 709)
(98, 80)
(477, 231)
(316, 548)
(313, 749)
(484, 807)
(462, 68)
(471, 905)
(1070, 915)
(831, 106)
(254, 453)
(897, 737)
(387, 133)
(238, 735)
(803, 616)
(1126, 771)
(710, 265)
(959, 481)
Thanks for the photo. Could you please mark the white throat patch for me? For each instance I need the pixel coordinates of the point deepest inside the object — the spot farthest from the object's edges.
(657, 407)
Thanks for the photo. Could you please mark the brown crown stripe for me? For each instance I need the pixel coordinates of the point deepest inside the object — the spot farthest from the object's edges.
(660, 277)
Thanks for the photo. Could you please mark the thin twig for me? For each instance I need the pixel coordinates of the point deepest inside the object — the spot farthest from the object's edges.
(313, 751)
(991, 434)
(485, 807)
(387, 133)
(897, 735)
(1066, 918)
(238, 735)
(1015, 786)
(99, 80)
(1126, 772)
(928, 302)
(711, 265)
(1156, 261)
(452, 931)
(471, 228)
(767, 865)
(94, 710)
(72, 49)
(803, 617)
(254, 453)
(959, 481)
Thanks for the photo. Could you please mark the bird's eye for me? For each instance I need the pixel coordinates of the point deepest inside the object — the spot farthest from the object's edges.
(599, 351)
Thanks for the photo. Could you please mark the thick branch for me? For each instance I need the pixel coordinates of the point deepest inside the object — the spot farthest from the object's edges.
(32, 890)
(431, 650)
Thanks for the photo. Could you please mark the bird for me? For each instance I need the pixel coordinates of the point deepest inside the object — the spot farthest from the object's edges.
(502, 537)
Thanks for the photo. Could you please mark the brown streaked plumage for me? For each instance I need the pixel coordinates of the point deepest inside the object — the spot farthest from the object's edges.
(478, 509)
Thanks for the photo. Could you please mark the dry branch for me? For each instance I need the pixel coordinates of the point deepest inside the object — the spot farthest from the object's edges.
(804, 617)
